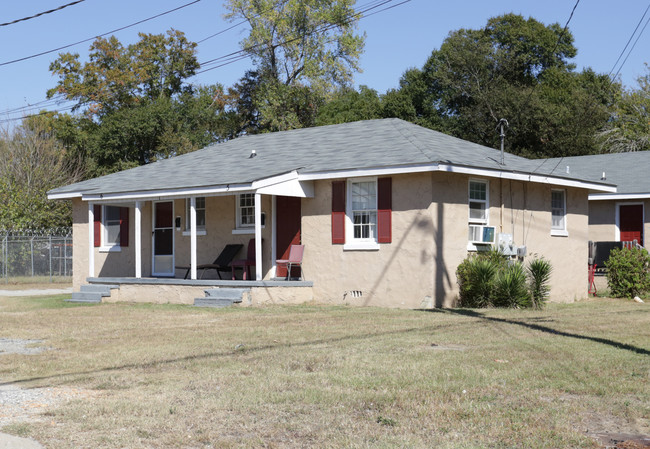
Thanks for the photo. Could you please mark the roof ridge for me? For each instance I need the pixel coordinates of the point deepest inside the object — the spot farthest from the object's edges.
(394, 121)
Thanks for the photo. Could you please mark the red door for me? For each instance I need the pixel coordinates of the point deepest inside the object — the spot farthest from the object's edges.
(631, 223)
(287, 230)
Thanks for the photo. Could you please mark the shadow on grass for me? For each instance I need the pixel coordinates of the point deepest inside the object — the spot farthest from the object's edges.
(538, 327)
(238, 350)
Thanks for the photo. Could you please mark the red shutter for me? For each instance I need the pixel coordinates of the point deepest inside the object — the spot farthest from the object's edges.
(338, 212)
(124, 226)
(384, 210)
(97, 228)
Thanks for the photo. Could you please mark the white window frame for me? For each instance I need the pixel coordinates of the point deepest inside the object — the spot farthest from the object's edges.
(200, 230)
(105, 246)
(241, 228)
(486, 202)
(473, 221)
(559, 231)
(352, 243)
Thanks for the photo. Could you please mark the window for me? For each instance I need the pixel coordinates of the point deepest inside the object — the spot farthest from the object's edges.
(246, 210)
(111, 225)
(558, 212)
(363, 200)
(362, 213)
(478, 202)
(200, 214)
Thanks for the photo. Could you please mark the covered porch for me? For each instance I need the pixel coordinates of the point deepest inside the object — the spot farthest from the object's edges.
(156, 238)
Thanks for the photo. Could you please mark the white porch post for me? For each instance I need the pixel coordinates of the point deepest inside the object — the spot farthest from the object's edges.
(138, 239)
(91, 239)
(193, 237)
(258, 237)
(274, 243)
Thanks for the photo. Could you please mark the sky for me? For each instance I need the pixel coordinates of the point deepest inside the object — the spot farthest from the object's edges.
(396, 39)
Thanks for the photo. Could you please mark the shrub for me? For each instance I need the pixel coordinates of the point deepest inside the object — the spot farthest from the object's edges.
(539, 274)
(488, 280)
(510, 287)
(628, 272)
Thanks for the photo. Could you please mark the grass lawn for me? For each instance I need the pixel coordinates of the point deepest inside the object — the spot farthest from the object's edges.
(309, 376)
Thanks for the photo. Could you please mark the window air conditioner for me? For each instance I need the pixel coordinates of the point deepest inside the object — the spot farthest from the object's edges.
(481, 235)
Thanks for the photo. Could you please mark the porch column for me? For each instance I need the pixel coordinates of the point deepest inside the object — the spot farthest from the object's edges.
(193, 237)
(258, 237)
(274, 241)
(138, 239)
(91, 239)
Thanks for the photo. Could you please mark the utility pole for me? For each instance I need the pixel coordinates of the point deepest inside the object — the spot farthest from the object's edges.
(502, 124)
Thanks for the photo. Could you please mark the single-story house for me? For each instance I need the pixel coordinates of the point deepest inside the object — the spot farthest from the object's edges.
(618, 216)
(386, 211)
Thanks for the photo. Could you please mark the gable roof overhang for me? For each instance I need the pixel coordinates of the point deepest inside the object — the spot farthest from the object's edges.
(454, 168)
(618, 196)
(286, 184)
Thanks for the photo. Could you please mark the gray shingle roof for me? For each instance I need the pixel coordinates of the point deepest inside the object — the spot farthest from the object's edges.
(358, 145)
(629, 171)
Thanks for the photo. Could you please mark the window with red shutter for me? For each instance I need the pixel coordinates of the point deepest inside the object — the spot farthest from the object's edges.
(384, 210)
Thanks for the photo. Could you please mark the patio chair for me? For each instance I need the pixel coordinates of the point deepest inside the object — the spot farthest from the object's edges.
(295, 259)
(221, 263)
(245, 264)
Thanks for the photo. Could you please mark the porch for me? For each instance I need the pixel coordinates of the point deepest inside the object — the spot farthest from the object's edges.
(195, 291)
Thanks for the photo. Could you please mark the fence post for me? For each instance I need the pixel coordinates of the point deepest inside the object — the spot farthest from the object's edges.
(5, 256)
(65, 256)
(31, 250)
(50, 252)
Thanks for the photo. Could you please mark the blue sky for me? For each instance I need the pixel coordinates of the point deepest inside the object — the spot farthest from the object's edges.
(397, 39)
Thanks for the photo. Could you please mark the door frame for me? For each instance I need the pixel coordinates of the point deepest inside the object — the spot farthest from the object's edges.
(617, 236)
(153, 241)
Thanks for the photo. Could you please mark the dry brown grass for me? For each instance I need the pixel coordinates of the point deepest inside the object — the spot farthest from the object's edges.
(176, 376)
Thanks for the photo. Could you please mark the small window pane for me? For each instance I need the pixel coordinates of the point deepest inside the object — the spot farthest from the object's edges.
(477, 191)
(247, 209)
(558, 210)
(111, 225)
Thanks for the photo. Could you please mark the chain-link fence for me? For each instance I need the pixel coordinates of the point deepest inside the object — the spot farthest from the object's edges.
(38, 256)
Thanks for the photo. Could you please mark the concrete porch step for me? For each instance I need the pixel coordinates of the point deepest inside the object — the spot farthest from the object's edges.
(87, 297)
(90, 293)
(221, 297)
(103, 290)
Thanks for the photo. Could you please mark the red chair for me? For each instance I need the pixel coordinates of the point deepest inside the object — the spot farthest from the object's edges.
(245, 264)
(295, 259)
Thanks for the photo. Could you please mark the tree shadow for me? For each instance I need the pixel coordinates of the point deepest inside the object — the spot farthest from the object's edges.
(541, 328)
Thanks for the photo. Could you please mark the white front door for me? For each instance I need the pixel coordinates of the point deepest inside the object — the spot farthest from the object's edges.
(163, 238)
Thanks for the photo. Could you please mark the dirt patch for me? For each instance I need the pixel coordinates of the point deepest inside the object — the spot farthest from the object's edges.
(447, 347)
(20, 346)
(28, 404)
(614, 432)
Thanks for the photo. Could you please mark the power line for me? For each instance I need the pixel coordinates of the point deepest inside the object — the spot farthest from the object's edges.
(628, 42)
(41, 13)
(239, 55)
(100, 35)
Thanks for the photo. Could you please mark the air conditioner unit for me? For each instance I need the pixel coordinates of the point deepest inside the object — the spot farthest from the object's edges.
(481, 235)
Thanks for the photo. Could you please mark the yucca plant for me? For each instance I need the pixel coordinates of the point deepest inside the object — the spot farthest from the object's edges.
(539, 273)
(480, 282)
(510, 287)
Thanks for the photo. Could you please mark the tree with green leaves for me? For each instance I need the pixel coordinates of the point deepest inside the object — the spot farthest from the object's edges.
(302, 51)
(629, 126)
(116, 76)
(137, 104)
(513, 68)
(32, 162)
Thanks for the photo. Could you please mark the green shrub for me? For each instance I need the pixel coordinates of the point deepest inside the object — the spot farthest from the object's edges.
(539, 274)
(510, 287)
(628, 272)
(487, 279)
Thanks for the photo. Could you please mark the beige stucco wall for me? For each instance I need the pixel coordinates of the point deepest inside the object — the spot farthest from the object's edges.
(416, 270)
(430, 225)
(602, 219)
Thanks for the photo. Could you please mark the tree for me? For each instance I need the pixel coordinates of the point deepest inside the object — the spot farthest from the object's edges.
(302, 50)
(629, 125)
(116, 76)
(138, 106)
(31, 163)
(348, 105)
(513, 68)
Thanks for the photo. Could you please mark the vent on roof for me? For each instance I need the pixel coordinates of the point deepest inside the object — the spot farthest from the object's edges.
(253, 154)
(603, 178)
